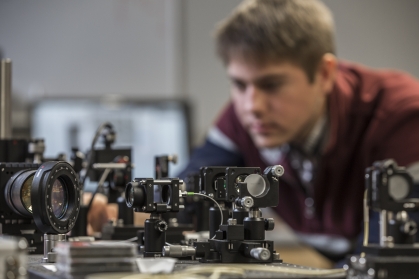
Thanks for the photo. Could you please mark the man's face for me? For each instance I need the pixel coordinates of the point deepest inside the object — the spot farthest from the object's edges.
(275, 102)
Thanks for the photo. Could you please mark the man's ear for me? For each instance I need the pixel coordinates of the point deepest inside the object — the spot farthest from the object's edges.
(327, 72)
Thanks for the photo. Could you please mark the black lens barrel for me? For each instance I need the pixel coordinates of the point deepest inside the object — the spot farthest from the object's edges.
(13, 192)
(43, 199)
(135, 195)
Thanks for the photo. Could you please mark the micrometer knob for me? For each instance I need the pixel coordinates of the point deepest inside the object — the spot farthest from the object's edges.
(261, 254)
(178, 251)
(269, 224)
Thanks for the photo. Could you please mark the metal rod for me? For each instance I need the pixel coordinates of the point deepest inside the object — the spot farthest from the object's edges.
(165, 181)
(50, 241)
(5, 99)
(385, 239)
(112, 166)
(383, 227)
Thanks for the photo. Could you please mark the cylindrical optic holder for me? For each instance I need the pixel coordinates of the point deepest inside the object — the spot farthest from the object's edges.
(125, 213)
(50, 241)
(155, 235)
(240, 214)
(254, 228)
(215, 219)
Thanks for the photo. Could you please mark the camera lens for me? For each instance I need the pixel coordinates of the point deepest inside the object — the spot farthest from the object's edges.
(55, 197)
(59, 198)
(18, 192)
(49, 194)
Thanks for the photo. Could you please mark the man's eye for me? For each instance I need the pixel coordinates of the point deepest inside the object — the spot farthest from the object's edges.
(241, 86)
(270, 87)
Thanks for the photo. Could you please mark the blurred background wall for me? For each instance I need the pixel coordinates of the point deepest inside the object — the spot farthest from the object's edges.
(157, 49)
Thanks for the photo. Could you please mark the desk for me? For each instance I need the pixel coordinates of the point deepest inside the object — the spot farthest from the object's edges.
(38, 271)
(303, 255)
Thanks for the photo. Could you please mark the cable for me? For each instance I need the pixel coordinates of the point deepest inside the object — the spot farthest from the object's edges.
(366, 219)
(130, 239)
(92, 147)
(205, 196)
(99, 186)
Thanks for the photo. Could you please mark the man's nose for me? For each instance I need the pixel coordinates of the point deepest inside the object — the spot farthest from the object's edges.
(255, 100)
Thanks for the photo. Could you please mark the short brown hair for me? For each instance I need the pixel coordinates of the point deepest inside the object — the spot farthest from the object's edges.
(297, 31)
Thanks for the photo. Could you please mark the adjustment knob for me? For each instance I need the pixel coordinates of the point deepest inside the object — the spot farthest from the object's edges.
(161, 226)
(409, 228)
(261, 254)
(269, 224)
(178, 251)
(246, 202)
(172, 158)
(278, 170)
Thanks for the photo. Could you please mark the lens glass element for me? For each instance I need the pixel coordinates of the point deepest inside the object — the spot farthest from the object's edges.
(25, 193)
(131, 196)
(166, 192)
(256, 185)
(59, 199)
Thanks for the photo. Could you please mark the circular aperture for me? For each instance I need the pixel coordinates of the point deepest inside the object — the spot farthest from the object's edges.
(55, 197)
(59, 198)
(135, 195)
(398, 187)
(256, 185)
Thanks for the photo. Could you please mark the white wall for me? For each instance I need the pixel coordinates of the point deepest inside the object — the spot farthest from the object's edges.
(205, 80)
(378, 33)
(91, 47)
(163, 48)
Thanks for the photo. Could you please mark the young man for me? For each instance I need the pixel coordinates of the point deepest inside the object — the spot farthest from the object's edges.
(293, 103)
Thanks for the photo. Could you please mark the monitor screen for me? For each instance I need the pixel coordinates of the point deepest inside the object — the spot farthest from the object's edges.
(149, 128)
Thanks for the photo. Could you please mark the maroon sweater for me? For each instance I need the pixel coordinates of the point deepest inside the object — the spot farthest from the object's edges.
(373, 115)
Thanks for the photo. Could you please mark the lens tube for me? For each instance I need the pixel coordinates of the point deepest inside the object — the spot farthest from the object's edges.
(55, 197)
(18, 192)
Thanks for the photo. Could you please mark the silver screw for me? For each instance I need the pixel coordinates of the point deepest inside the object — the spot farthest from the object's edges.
(278, 170)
